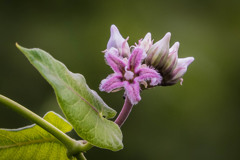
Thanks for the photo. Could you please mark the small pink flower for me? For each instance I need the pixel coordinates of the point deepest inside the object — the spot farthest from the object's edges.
(128, 73)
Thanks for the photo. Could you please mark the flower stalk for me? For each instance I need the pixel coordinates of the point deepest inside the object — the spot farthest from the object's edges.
(123, 115)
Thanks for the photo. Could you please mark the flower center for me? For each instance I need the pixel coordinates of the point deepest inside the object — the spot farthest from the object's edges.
(129, 75)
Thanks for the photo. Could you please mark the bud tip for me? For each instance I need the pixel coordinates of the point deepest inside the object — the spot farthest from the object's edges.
(168, 35)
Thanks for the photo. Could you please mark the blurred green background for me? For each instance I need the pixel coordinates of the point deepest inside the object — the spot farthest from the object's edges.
(196, 121)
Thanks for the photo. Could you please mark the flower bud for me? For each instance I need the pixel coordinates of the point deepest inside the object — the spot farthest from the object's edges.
(158, 52)
(117, 41)
(180, 70)
(146, 43)
(172, 59)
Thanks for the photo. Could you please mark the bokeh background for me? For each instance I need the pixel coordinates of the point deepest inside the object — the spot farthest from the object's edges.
(199, 120)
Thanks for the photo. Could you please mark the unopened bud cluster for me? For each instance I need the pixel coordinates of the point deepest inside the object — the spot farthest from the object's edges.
(164, 59)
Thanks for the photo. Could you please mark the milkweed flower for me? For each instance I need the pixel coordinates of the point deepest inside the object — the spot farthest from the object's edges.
(129, 74)
(148, 64)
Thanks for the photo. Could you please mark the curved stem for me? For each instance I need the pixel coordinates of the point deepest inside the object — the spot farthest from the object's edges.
(123, 115)
(72, 145)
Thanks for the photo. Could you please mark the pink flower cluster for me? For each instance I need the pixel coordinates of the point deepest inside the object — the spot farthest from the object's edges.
(144, 64)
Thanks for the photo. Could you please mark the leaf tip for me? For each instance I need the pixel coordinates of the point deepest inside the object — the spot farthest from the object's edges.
(118, 148)
(19, 47)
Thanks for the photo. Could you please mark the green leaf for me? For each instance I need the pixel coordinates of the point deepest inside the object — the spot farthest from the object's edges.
(83, 107)
(33, 142)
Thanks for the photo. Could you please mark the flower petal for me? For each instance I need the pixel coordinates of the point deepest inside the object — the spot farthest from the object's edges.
(146, 74)
(132, 91)
(111, 83)
(114, 61)
(135, 59)
(117, 41)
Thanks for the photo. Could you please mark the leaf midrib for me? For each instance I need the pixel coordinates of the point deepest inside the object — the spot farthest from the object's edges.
(77, 94)
(69, 87)
(29, 143)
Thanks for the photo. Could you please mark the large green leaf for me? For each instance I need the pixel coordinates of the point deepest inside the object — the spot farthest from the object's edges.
(33, 142)
(83, 107)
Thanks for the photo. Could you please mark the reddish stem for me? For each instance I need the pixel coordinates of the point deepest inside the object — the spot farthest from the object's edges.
(123, 115)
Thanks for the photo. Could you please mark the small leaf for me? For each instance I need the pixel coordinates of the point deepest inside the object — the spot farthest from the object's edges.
(83, 107)
(33, 142)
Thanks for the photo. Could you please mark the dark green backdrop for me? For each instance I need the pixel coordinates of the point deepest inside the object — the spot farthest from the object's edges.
(196, 121)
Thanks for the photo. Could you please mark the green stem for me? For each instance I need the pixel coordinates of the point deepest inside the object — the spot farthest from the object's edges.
(74, 147)
(81, 156)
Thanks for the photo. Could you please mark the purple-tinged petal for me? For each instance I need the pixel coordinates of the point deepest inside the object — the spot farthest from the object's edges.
(181, 67)
(114, 61)
(172, 59)
(135, 59)
(132, 91)
(148, 74)
(146, 43)
(117, 41)
(111, 83)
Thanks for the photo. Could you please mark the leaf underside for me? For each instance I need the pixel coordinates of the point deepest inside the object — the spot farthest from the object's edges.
(83, 107)
(33, 142)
